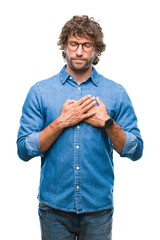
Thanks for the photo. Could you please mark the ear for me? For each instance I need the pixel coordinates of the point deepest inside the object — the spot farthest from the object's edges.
(65, 50)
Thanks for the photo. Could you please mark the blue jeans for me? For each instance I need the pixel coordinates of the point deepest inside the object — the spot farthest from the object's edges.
(59, 225)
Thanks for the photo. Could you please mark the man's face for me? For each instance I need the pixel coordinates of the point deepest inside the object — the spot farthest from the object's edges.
(80, 57)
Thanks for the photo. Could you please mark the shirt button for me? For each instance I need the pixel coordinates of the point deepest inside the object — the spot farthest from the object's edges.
(70, 77)
(77, 168)
(79, 88)
(77, 187)
(77, 147)
(78, 127)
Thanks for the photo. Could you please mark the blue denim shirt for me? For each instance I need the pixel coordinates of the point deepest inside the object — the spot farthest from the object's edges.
(77, 172)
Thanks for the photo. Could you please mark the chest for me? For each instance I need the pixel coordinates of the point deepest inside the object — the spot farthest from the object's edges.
(54, 98)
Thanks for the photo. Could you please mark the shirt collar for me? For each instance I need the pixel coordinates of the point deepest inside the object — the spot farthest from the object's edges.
(64, 75)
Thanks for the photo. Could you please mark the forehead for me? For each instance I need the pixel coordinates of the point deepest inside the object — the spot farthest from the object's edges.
(80, 39)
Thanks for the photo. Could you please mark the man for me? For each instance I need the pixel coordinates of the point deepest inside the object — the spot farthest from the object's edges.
(73, 121)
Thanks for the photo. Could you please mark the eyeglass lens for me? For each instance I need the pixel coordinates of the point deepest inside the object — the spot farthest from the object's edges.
(87, 46)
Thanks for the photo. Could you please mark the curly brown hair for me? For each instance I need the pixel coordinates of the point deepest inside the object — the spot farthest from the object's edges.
(83, 26)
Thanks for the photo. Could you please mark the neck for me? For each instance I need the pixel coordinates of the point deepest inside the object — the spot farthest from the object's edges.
(79, 76)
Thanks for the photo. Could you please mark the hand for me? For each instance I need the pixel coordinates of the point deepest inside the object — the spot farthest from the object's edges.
(74, 112)
(100, 116)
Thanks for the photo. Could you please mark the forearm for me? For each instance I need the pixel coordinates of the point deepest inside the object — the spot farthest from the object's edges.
(127, 143)
(117, 136)
(49, 135)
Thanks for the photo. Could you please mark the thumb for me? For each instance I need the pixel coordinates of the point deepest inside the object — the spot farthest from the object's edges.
(99, 101)
(69, 101)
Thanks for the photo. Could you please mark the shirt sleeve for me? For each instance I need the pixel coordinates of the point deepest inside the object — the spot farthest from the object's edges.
(126, 118)
(31, 123)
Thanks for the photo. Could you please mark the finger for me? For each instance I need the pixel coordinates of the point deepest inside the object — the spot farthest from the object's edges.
(83, 99)
(99, 101)
(88, 115)
(69, 101)
(88, 107)
(87, 102)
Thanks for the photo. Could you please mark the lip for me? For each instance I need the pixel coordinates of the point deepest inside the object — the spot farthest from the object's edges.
(79, 60)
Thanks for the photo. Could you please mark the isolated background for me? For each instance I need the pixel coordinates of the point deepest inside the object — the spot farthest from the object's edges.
(29, 53)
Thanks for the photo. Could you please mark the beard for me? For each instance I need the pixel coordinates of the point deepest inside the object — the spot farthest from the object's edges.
(79, 68)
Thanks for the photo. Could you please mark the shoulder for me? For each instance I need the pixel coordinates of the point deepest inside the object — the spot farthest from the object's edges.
(116, 92)
(50, 83)
(46, 83)
(112, 92)
(110, 85)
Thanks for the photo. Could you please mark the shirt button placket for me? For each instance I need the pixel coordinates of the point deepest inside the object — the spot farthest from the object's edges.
(77, 160)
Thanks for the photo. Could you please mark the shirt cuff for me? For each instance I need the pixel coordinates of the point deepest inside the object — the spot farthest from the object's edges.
(130, 146)
(33, 144)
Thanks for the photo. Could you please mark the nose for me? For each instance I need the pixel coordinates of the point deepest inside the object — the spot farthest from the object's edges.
(79, 50)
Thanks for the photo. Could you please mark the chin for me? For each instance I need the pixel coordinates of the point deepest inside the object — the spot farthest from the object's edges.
(80, 67)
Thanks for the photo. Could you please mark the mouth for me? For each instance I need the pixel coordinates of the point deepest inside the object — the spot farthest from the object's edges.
(79, 60)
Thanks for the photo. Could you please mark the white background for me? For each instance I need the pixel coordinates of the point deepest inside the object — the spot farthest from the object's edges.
(29, 53)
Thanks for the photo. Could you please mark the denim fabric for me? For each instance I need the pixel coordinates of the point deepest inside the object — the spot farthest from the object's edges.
(59, 225)
(77, 172)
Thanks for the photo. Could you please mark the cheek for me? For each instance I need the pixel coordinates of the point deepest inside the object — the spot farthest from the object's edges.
(89, 56)
(93, 55)
(67, 54)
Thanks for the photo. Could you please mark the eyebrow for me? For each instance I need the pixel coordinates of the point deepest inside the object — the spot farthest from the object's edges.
(79, 42)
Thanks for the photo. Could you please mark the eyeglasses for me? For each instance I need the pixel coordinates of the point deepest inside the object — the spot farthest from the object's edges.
(86, 46)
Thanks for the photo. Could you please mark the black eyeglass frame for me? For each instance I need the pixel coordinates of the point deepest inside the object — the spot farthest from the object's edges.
(93, 45)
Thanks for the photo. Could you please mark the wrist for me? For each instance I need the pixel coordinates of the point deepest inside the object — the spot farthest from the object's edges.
(108, 123)
(59, 124)
(105, 118)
